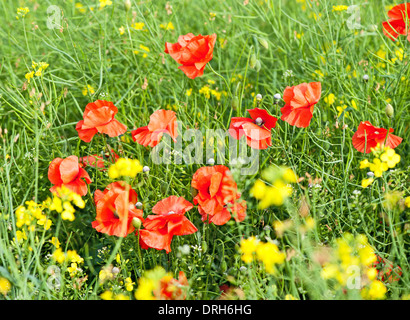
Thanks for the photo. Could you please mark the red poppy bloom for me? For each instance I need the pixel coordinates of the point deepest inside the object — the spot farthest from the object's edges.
(193, 52)
(299, 103)
(257, 129)
(99, 118)
(172, 289)
(169, 221)
(217, 195)
(161, 121)
(368, 136)
(99, 162)
(399, 23)
(116, 209)
(68, 172)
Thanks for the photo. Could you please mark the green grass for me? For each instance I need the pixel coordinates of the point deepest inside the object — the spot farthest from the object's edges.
(37, 122)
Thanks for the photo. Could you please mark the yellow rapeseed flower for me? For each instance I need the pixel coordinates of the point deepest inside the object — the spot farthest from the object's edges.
(390, 157)
(5, 286)
(124, 167)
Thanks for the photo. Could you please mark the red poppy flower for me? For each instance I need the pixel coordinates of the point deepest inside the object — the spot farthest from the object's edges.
(116, 209)
(193, 52)
(169, 221)
(172, 289)
(99, 118)
(257, 129)
(99, 162)
(217, 195)
(161, 121)
(68, 172)
(299, 103)
(368, 136)
(399, 23)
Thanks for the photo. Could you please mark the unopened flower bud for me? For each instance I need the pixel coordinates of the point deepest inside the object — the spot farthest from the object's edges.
(277, 96)
(263, 43)
(138, 205)
(257, 65)
(136, 222)
(389, 110)
(370, 174)
(145, 169)
(258, 121)
(127, 4)
(258, 97)
(366, 77)
(235, 103)
(115, 270)
(211, 161)
(252, 62)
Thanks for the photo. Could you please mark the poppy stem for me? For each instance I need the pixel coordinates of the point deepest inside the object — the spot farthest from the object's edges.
(226, 83)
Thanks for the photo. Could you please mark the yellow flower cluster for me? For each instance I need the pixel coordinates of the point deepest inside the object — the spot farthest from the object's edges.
(124, 167)
(104, 3)
(88, 89)
(150, 282)
(339, 8)
(266, 252)
(352, 258)
(108, 295)
(62, 202)
(138, 26)
(207, 91)
(37, 71)
(168, 26)
(384, 159)
(279, 189)
(21, 12)
(5, 286)
(71, 256)
(29, 216)
(144, 49)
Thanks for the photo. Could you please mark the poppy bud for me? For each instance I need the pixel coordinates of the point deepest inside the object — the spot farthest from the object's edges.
(136, 222)
(204, 246)
(127, 5)
(263, 43)
(389, 111)
(252, 62)
(235, 103)
(257, 65)
(224, 266)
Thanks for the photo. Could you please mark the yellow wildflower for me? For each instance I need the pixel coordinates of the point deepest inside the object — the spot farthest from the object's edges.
(124, 168)
(168, 26)
(104, 3)
(367, 182)
(330, 99)
(390, 157)
(5, 286)
(138, 25)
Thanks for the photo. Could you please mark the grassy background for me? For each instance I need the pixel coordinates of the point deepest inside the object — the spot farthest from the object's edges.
(38, 124)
